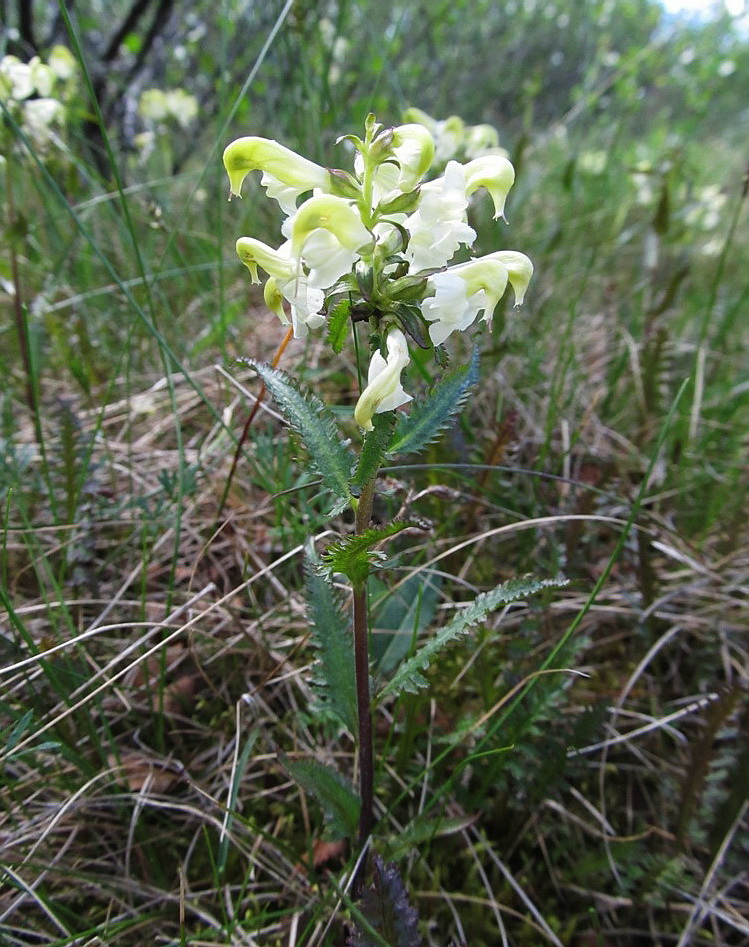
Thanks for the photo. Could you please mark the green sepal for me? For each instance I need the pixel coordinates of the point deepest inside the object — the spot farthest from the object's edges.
(409, 678)
(338, 324)
(402, 204)
(344, 184)
(429, 418)
(410, 317)
(355, 556)
(315, 425)
(333, 681)
(339, 801)
(376, 443)
(407, 289)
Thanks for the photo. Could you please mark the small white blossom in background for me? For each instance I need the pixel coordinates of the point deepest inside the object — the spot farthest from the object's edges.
(158, 109)
(454, 140)
(380, 240)
(592, 162)
(35, 92)
(705, 212)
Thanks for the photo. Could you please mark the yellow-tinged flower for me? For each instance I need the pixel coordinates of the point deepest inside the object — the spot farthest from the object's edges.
(254, 253)
(460, 293)
(285, 173)
(493, 172)
(519, 269)
(384, 391)
(480, 140)
(327, 234)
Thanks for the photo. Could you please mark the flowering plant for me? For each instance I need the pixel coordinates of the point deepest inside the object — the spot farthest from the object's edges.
(373, 245)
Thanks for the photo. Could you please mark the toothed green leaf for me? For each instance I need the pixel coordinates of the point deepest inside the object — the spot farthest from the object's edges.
(340, 803)
(408, 677)
(429, 418)
(315, 425)
(334, 682)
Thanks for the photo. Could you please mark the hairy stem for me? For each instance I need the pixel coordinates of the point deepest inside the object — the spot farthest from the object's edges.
(361, 662)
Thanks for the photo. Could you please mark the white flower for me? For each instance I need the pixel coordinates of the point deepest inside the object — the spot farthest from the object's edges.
(16, 80)
(38, 118)
(62, 62)
(305, 302)
(384, 391)
(463, 291)
(439, 225)
(481, 140)
(287, 281)
(410, 155)
(413, 149)
(327, 234)
(451, 307)
(519, 271)
(493, 172)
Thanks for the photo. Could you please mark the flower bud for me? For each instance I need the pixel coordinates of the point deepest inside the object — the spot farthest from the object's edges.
(384, 391)
(413, 149)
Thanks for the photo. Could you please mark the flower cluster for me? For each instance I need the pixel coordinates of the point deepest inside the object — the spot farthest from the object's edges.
(380, 241)
(35, 92)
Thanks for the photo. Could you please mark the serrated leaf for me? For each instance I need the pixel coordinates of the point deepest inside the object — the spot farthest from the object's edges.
(386, 910)
(314, 424)
(376, 443)
(409, 678)
(354, 556)
(338, 324)
(339, 801)
(429, 418)
(334, 681)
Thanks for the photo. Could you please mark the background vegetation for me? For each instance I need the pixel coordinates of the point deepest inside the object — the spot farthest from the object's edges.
(155, 651)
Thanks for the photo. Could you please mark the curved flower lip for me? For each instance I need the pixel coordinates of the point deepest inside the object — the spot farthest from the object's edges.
(460, 293)
(384, 391)
(254, 253)
(334, 214)
(496, 174)
(519, 269)
(484, 273)
(264, 154)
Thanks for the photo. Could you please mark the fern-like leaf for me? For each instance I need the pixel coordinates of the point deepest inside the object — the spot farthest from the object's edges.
(334, 682)
(429, 418)
(408, 677)
(314, 424)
